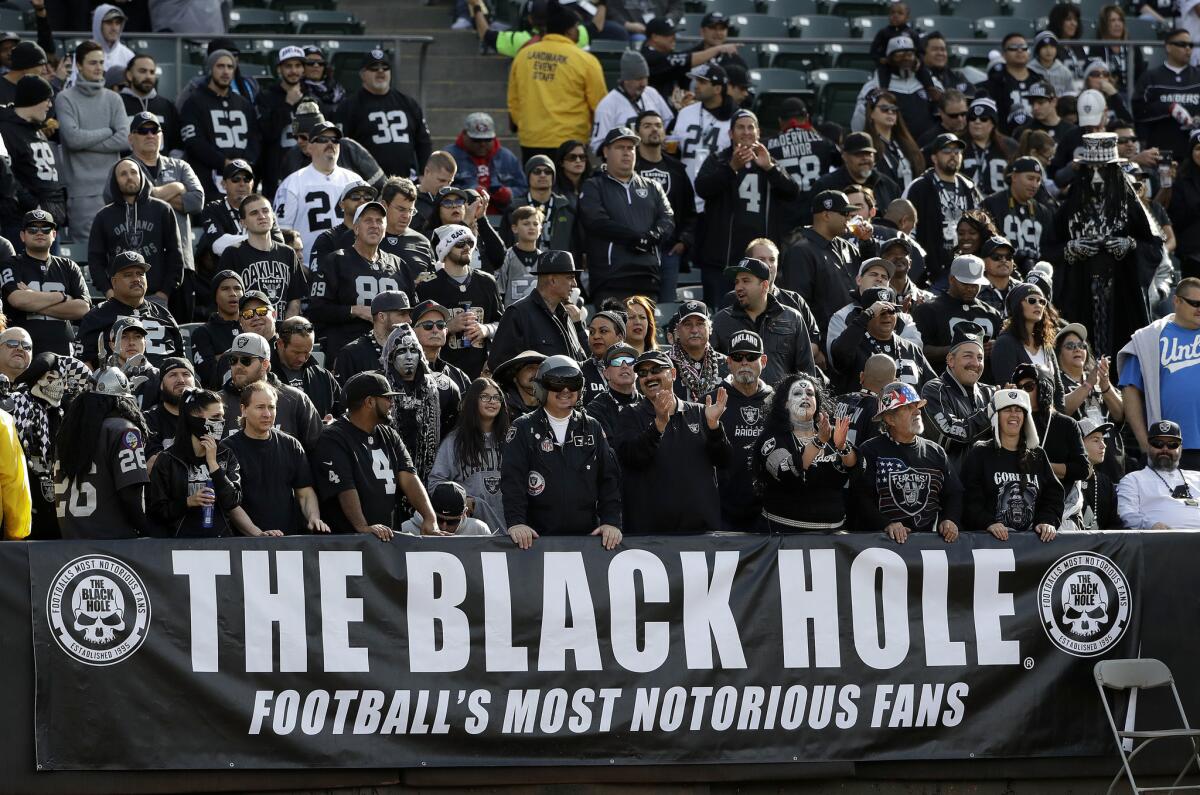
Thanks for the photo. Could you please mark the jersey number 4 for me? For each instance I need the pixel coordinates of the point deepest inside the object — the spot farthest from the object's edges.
(383, 470)
(390, 127)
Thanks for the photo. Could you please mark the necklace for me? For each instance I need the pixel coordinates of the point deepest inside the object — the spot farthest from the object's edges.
(1166, 484)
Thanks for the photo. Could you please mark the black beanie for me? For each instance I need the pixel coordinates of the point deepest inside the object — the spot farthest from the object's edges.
(31, 90)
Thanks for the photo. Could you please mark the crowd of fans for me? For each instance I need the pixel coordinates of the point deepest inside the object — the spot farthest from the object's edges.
(976, 310)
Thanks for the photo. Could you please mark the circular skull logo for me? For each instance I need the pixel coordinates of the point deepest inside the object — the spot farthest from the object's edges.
(1085, 603)
(98, 610)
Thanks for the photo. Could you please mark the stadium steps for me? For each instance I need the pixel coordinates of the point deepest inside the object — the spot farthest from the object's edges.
(458, 80)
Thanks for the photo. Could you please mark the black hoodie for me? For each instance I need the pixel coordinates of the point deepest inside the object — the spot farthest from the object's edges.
(34, 167)
(147, 226)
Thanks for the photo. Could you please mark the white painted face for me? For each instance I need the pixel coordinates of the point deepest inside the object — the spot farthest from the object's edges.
(407, 355)
(802, 401)
(50, 388)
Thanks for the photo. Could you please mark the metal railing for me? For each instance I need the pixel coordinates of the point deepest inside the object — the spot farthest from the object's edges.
(390, 42)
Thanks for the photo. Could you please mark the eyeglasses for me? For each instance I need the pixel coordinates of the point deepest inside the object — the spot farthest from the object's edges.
(324, 139)
(1075, 346)
(1161, 444)
(541, 171)
(464, 244)
(1017, 48)
(887, 108)
(314, 63)
(488, 397)
(622, 361)
(239, 179)
(1194, 304)
(745, 357)
(408, 211)
(430, 325)
(1001, 257)
(260, 311)
(245, 361)
(575, 156)
(1033, 300)
(15, 344)
(562, 385)
(146, 131)
(1187, 45)
(39, 229)
(1028, 386)
(360, 196)
(296, 328)
(656, 369)
(453, 203)
(1127, 139)
(961, 115)
(449, 521)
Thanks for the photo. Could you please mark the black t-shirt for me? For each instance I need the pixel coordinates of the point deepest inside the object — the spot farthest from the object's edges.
(161, 424)
(89, 507)
(347, 458)
(276, 272)
(56, 274)
(271, 469)
(936, 319)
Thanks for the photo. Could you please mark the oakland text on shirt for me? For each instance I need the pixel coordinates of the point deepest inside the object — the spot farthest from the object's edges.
(1176, 356)
(545, 64)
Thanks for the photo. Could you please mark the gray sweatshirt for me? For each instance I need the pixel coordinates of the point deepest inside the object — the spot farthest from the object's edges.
(93, 129)
(481, 483)
(189, 16)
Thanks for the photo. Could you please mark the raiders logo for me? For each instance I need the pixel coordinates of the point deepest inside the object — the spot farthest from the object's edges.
(98, 609)
(641, 192)
(767, 446)
(512, 434)
(492, 484)
(751, 414)
(909, 490)
(694, 427)
(537, 483)
(1085, 603)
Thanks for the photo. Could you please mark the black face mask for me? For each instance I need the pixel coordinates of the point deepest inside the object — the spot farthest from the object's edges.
(201, 426)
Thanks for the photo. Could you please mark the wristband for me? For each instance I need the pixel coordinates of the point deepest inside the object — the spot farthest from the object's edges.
(845, 451)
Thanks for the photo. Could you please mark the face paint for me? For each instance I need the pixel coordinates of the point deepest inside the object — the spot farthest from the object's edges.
(802, 402)
(50, 388)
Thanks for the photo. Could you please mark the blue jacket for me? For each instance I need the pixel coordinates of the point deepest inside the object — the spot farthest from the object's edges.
(502, 175)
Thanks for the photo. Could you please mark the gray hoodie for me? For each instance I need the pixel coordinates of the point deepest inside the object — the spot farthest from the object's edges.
(189, 16)
(93, 129)
(115, 54)
(482, 483)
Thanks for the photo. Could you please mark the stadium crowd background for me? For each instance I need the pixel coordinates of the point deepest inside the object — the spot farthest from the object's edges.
(859, 276)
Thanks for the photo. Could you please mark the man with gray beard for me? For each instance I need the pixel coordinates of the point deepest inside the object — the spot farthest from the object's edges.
(1161, 496)
(741, 509)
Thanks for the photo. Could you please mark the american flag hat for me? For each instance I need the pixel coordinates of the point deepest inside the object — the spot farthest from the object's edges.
(895, 395)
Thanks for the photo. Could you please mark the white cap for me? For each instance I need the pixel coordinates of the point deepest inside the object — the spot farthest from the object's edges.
(1091, 107)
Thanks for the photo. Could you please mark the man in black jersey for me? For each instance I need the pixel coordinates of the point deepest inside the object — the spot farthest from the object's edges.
(471, 296)
(801, 152)
(278, 497)
(1021, 218)
(127, 274)
(938, 318)
(400, 239)
(957, 401)
(861, 406)
(276, 105)
(1167, 100)
(873, 330)
(342, 288)
(264, 263)
(219, 125)
(36, 164)
(390, 124)
(1043, 107)
(388, 310)
(940, 195)
(361, 466)
(354, 195)
(43, 293)
(220, 223)
(671, 174)
(215, 336)
(1008, 82)
(176, 376)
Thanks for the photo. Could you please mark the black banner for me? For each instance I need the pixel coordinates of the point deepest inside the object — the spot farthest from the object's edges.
(346, 652)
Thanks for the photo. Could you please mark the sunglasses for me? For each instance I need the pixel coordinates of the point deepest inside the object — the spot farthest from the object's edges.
(314, 63)
(146, 131)
(15, 344)
(1017, 48)
(646, 372)
(39, 229)
(622, 361)
(245, 361)
(449, 521)
(1075, 346)
(1187, 45)
(430, 325)
(1100, 73)
(1159, 444)
(1127, 139)
(489, 398)
(541, 171)
(961, 115)
(1028, 386)
(745, 357)
(464, 244)
(360, 196)
(261, 311)
(1001, 257)
(1033, 300)
(562, 385)
(887, 108)
(1194, 304)
(292, 328)
(324, 139)
(453, 203)
(576, 156)
(241, 180)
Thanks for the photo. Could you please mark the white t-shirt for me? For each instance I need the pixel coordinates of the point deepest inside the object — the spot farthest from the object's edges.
(558, 426)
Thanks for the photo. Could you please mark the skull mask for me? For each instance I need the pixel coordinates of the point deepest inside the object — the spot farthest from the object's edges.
(99, 610)
(802, 402)
(50, 388)
(407, 354)
(1085, 603)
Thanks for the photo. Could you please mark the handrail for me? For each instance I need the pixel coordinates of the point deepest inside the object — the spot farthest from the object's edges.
(394, 40)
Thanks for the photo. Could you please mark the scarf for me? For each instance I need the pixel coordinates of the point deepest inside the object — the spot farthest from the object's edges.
(699, 378)
(418, 416)
(32, 417)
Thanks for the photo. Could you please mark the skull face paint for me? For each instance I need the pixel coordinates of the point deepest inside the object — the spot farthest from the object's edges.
(50, 388)
(406, 356)
(802, 402)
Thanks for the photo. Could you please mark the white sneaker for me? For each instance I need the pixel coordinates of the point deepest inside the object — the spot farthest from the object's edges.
(462, 23)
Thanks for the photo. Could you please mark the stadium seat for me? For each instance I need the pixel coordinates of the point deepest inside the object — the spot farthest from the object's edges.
(867, 27)
(857, 8)
(772, 87)
(258, 20)
(730, 7)
(260, 51)
(757, 26)
(609, 53)
(949, 27)
(665, 311)
(160, 49)
(293, 5)
(999, 27)
(12, 19)
(976, 55)
(315, 20)
(1138, 28)
(169, 72)
(922, 8)
(1030, 9)
(837, 92)
(791, 8)
(819, 27)
(793, 55)
(691, 23)
(1089, 10)
(689, 293)
(851, 56)
(185, 331)
(346, 58)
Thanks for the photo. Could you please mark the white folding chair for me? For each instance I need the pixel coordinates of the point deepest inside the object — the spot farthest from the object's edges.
(1143, 674)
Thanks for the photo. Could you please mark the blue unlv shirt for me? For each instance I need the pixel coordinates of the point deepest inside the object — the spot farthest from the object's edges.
(1178, 380)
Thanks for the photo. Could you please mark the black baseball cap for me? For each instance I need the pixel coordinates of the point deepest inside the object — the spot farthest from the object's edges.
(660, 26)
(448, 498)
(143, 117)
(365, 385)
(657, 357)
(127, 259)
(619, 349)
(991, 245)
(621, 133)
(689, 308)
(237, 166)
(390, 301)
(1167, 428)
(376, 56)
(967, 332)
(856, 142)
(714, 18)
(425, 307)
(755, 267)
(38, 216)
(831, 201)
(873, 294)
(1025, 165)
(711, 72)
(254, 295)
(744, 340)
(946, 140)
